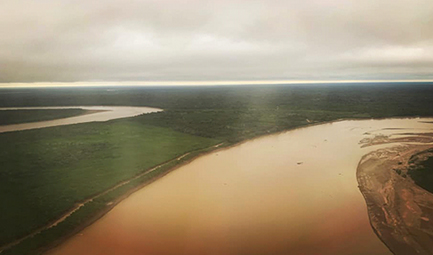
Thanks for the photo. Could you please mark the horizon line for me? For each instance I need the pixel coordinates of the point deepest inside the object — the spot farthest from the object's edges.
(190, 83)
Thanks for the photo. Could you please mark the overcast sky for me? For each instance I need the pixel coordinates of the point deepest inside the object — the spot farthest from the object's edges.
(217, 40)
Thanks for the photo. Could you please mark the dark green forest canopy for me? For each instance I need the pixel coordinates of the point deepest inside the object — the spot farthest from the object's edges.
(236, 113)
(354, 97)
(8, 117)
(44, 172)
(421, 170)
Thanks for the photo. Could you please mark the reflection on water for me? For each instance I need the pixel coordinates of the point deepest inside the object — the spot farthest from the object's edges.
(291, 193)
(104, 113)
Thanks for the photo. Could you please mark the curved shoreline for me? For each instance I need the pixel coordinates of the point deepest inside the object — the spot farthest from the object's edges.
(186, 159)
(100, 113)
(111, 204)
(115, 202)
(183, 160)
(226, 147)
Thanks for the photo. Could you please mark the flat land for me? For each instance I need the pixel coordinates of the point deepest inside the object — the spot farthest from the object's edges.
(8, 117)
(46, 173)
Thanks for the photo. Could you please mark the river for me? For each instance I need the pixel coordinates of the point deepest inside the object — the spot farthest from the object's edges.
(102, 113)
(290, 193)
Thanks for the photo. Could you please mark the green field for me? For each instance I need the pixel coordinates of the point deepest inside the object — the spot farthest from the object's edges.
(45, 172)
(22, 116)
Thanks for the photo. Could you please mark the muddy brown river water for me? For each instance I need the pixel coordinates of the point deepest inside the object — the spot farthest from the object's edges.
(289, 193)
(102, 113)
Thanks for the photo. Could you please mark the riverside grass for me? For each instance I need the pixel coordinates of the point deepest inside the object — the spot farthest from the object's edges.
(93, 210)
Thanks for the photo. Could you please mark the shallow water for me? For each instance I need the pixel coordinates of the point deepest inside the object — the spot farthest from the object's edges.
(105, 113)
(290, 193)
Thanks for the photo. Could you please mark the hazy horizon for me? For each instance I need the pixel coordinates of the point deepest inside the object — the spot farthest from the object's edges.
(196, 83)
(210, 40)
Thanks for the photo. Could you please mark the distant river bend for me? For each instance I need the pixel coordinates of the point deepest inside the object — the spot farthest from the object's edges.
(102, 113)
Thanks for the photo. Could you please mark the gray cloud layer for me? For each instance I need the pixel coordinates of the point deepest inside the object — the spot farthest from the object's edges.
(75, 40)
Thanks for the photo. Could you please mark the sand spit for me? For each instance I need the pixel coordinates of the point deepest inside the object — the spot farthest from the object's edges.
(400, 212)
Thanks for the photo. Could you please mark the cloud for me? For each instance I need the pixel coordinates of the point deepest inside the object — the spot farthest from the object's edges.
(171, 40)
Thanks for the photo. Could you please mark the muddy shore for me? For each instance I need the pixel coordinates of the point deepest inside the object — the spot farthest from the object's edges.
(400, 212)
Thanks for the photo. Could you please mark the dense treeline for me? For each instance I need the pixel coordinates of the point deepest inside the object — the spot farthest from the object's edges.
(356, 97)
(235, 113)
(8, 117)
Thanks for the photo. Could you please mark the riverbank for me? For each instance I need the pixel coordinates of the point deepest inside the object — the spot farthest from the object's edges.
(114, 198)
(78, 206)
(76, 162)
(117, 196)
(89, 114)
(212, 150)
(400, 211)
(166, 168)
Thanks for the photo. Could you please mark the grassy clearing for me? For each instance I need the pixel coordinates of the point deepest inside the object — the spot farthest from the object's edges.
(8, 117)
(45, 172)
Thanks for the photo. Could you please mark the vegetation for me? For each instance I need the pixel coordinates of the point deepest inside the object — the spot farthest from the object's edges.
(22, 116)
(422, 169)
(47, 171)
(236, 113)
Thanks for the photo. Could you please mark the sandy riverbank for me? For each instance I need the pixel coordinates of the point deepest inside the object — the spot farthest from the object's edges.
(400, 212)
